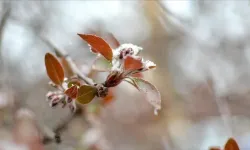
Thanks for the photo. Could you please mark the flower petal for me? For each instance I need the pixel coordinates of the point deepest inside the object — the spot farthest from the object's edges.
(149, 65)
(133, 50)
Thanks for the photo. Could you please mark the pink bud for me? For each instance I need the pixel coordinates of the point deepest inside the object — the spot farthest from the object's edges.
(50, 95)
(114, 79)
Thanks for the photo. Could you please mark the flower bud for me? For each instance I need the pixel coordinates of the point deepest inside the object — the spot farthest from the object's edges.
(114, 79)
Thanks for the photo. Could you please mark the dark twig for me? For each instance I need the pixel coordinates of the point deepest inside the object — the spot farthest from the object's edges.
(61, 127)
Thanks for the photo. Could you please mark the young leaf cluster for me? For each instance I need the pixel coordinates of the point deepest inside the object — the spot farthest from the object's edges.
(123, 63)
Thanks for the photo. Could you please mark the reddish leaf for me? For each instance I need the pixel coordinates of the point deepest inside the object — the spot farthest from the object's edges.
(132, 63)
(72, 92)
(54, 69)
(93, 50)
(98, 44)
(93, 33)
(86, 94)
(215, 148)
(150, 91)
(231, 145)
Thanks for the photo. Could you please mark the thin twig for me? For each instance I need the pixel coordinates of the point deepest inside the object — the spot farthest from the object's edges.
(62, 126)
(55, 135)
(61, 53)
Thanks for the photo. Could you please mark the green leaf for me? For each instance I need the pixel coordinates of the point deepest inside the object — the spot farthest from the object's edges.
(86, 94)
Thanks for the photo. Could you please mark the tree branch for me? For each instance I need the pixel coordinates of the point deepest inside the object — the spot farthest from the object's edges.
(55, 134)
(61, 53)
(3, 22)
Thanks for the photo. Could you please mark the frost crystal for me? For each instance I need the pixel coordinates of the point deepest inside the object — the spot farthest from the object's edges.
(122, 52)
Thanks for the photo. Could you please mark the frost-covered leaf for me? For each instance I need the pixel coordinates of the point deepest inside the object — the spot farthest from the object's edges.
(131, 81)
(98, 45)
(132, 63)
(54, 69)
(101, 64)
(149, 65)
(231, 145)
(72, 92)
(151, 93)
(86, 94)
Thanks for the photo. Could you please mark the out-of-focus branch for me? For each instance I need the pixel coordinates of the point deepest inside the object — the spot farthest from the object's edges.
(161, 16)
(3, 23)
(166, 11)
(61, 53)
(55, 135)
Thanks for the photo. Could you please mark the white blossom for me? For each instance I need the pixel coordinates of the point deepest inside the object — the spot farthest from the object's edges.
(149, 65)
(135, 50)
(120, 53)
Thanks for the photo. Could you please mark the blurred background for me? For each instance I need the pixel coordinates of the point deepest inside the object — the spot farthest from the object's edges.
(202, 54)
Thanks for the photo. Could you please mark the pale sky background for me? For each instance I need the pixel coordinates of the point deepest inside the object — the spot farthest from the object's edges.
(213, 42)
